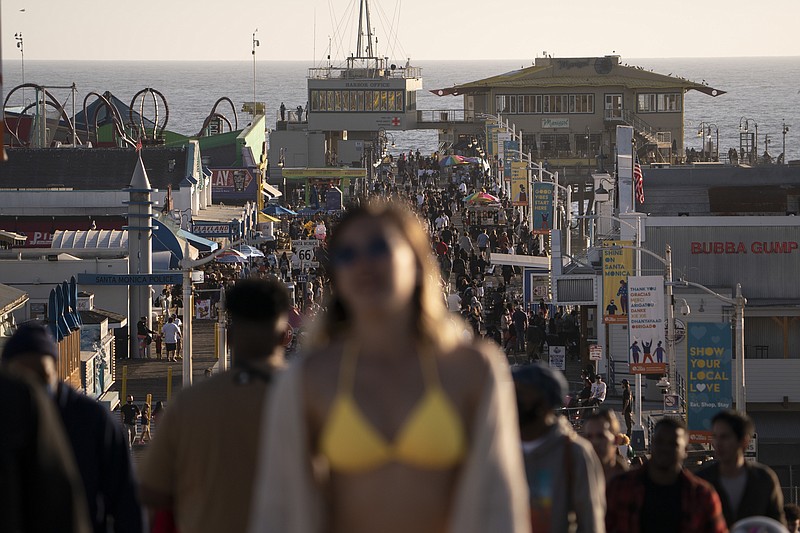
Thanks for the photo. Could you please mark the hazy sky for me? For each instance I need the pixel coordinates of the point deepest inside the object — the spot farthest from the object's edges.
(423, 29)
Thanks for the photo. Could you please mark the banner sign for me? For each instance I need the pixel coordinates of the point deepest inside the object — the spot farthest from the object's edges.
(213, 229)
(617, 266)
(502, 137)
(510, 154)
(130, 279)
(542, 207)
(491, 136)
(648, 346)
(519, 183)
(233, 183)
(710, 349)
(558, 357)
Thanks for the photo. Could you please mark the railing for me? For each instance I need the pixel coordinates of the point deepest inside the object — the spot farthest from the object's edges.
(291, 115)
(791, 494)
(444, 115)
(325, 73)
(613, 114)
(645, 129)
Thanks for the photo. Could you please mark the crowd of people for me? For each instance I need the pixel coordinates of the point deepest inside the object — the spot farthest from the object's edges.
(400, 413)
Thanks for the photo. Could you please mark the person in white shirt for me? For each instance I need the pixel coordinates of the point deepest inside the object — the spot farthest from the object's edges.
(598, 392)
(171, 333)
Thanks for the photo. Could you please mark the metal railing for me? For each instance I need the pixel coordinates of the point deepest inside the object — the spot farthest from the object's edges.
(324, 73)
(444, 115)
(291, 115)
(791, 494)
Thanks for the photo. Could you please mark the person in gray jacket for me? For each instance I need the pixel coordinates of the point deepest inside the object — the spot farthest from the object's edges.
(565, 478)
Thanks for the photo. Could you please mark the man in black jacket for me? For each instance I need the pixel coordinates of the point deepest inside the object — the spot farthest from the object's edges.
(97, 441)
(745, 488)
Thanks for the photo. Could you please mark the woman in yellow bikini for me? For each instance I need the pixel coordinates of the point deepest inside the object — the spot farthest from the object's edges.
(392, 422)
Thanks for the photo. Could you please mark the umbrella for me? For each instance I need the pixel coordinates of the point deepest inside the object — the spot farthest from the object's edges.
(277, 211)
(310, 211)
(231, 256)
(451, 160)
(249, 251)
(483, 198)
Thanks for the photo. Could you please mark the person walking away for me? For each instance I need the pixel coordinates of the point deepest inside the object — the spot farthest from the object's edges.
(411, 423)
(745, 488)
(520, 320)
(565, 479)
(601, 430)
(130, 412)
(97, 441)
(200, 465)
(145, 424)
(37, 467)
(627, 406)
(172, 334)
(145, 336)
(661, 495)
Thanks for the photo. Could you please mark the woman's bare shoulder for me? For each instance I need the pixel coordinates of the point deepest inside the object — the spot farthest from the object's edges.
(475, 359)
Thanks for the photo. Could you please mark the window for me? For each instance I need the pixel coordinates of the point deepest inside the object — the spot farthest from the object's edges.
(528, 143)
(581, 103)
(360, 101)
(411, 100)
(330, 101)
(398, 101)
(647, 103)
(376, 100)
(368, 101)
(554, 144)
(314, 100)
(669, 103)
(587, 147)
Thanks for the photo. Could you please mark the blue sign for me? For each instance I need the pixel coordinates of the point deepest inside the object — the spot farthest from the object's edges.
(130, 279)
(542, 207)
(709, 348)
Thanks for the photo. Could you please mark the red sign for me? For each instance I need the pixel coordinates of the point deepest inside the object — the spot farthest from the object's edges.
(395, 121)
(233, 179)
(757, 247)
(40, 230)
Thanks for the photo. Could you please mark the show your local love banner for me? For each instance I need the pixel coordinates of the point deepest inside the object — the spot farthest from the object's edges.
(647, 353)
(709, 384)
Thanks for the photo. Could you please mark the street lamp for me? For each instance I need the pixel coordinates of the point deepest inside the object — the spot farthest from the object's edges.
(705, 134)
(784, 131)
(744, 125)
(21, 46)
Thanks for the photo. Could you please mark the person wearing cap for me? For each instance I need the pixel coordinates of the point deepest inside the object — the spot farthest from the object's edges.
(565, 479)
(97, 441)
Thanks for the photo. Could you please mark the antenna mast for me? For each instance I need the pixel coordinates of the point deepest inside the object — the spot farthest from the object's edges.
(363, 17)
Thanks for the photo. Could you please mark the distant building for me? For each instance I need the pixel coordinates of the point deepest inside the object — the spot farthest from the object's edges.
(568, 108)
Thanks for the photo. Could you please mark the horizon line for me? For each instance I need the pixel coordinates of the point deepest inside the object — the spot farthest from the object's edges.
(13, 58)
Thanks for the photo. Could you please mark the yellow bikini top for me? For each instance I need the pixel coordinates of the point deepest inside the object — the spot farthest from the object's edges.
(431, 438)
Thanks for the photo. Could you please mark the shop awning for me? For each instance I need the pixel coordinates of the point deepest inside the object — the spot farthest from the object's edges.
(269, 191)
(202, 244)
(263, 217)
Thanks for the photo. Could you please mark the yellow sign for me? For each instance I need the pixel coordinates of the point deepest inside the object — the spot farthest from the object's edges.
(617, 266)
(305, 173)
(519, 183)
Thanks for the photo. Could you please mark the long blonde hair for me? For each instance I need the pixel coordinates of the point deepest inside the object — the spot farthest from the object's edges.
(434, 326)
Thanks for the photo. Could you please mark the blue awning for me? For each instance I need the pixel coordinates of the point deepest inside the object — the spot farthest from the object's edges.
(165, 240)
(202, 244)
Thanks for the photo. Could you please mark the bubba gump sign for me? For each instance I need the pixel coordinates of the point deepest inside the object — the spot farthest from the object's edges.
(742, 247)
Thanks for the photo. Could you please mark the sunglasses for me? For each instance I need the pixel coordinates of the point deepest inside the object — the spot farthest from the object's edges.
(344, 256)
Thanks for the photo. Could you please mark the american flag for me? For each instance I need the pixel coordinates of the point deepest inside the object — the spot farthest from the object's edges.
(638, 181)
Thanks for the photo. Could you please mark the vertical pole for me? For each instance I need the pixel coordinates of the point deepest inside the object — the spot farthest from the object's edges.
(568, 220)
(671, 359)
(74, 89)
(741, 400)
(188, 307)
(638, 380)
(169, 382)
(223, 333)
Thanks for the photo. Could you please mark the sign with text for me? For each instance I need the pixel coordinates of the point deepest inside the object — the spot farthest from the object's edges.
(233, 183)
(709, 389)
(558, 357)
(519, 183)
(552, 123)
(502, 137)
(595, 352)
(648, 347)
(491, 136)
(542, 207)
(212, 229)
(510, 154)
(130, 279)
(617, 266)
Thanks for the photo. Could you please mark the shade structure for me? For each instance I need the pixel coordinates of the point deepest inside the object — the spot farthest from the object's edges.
(451, 160)
(231, 256)
(307, 211)
(483, 198)
(249, 251)
(277, 211)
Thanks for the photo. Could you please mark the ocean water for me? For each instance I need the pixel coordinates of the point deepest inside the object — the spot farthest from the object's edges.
(764, 90)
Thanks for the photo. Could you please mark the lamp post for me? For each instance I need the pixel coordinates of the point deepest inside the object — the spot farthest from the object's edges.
(784, 131)
(739, 302)
(744, 126)
(705, 134)
(21, 46)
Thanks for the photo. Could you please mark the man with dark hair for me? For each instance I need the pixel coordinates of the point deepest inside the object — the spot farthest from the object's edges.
(746, 489)
(661, 495)
(97, 440)
(564, 476)
(37, 468)
(792, 513)
(200, 464)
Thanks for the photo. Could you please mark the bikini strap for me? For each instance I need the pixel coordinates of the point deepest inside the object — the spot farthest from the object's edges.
(430, 369)
(347, 368)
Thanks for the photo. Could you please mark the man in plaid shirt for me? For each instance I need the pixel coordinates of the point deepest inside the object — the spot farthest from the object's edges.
(662, 496)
